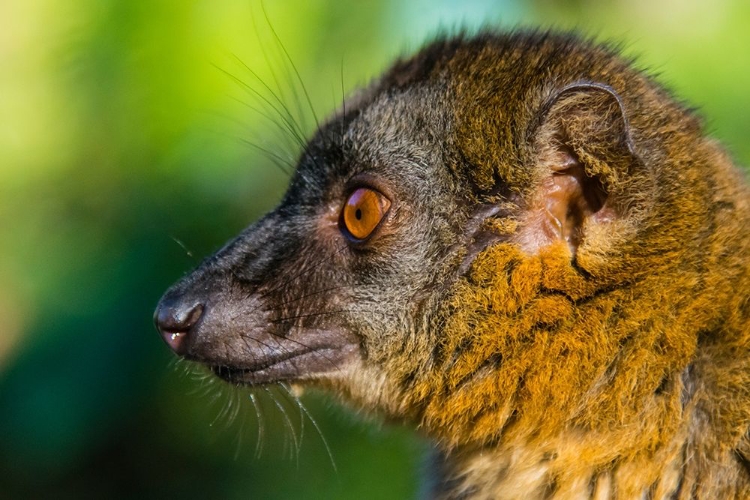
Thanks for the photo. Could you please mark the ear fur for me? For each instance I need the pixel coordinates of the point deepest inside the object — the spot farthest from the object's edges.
(587, 168)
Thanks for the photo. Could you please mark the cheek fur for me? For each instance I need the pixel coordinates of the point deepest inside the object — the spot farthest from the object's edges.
(521, 354)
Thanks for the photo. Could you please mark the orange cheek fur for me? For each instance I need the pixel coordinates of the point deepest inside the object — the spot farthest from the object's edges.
(522, 359)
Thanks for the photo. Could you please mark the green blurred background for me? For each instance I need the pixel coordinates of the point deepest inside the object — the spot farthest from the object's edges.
(125, 156)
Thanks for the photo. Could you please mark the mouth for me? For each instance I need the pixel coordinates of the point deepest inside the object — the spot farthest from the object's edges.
(308, 363)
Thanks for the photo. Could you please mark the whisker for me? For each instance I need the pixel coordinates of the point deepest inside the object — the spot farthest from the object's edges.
(280, 96)
(304, 270)
(245, 336)
(240, 432)
(291, 396)
(216, 397)
(234, 406)
(321, 313)
(183, 246)
(281, 163)
(292, 86)
(291, 62)
(307, 295)
(290, 82)
(281, 134)
(261, 424)
(287, 421)
(290, 125)
(343, 104)
(304, 410)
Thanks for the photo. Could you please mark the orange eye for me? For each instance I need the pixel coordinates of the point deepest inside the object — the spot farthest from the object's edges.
(363, 211)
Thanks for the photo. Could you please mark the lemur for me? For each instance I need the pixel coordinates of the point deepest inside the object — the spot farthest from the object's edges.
(521, 245)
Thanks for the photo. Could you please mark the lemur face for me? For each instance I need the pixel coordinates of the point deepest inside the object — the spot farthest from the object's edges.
(347, 269)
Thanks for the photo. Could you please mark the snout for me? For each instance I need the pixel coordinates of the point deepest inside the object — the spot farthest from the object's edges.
(176, 318)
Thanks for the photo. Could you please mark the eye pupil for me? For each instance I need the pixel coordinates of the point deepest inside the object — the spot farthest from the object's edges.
(358, 214)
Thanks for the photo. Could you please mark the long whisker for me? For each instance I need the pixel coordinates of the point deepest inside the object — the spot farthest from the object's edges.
(281, 133)
(270, 66)
(293, 126)
(290, 124)
(281, 163)
(285, 165)
(221, 414)
(304, 410)
(343, 104)
(287, 118)
(261, 423)
(235, 407)
(287, 421)
(291, 396)
(245, 338)
(240, 431)
(288, 57)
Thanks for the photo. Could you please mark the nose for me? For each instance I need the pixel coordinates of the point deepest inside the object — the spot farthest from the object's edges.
(175, 319)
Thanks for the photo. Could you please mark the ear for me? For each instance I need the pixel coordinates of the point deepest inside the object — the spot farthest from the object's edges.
(584, 160)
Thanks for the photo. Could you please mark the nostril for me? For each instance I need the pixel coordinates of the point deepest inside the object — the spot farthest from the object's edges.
(174, 320)
(179, 317)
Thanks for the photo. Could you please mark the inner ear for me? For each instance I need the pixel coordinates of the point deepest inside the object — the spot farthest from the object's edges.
(587, 170)
(567, 198)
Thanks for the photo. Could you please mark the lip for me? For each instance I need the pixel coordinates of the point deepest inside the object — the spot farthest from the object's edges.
(304, 363)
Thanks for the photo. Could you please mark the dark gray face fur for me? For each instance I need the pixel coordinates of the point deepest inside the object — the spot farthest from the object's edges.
(294, 297)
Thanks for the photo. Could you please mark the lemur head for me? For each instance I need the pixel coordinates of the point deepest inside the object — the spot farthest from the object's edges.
(503, 235)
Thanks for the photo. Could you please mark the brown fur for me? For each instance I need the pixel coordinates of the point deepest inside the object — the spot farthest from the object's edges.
(594, 347)
(628, 364)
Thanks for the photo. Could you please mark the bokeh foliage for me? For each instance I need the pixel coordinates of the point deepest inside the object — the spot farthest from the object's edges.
(135, 139)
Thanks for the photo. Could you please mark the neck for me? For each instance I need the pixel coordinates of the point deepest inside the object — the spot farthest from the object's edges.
(690, 462)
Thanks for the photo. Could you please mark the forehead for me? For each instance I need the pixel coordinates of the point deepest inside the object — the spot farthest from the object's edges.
(395, 134)
(417, 115)
(411, 125)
